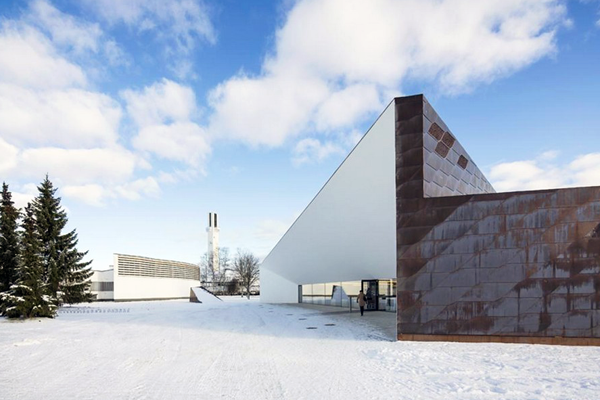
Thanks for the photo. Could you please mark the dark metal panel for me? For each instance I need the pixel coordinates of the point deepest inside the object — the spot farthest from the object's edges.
(523, 264)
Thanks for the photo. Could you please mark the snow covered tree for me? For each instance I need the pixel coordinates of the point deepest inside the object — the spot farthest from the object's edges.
(246, 269)
(29, 296)
(9, 240)
(64, 271)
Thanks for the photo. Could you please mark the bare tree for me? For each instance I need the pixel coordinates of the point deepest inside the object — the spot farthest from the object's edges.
(224, 259)
(218, 279)
(246, 269)
(207, 273)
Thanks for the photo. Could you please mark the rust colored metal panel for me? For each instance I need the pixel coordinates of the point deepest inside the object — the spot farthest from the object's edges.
(551, 265)
(462, 162)
(562, 341)
(442, 149)
(475, 265)
(436, 131)
(448, 139)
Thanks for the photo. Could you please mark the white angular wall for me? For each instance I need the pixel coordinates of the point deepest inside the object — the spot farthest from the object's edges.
(348, 231)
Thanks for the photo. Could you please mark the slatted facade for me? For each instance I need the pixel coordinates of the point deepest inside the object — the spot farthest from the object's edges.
(128, 265)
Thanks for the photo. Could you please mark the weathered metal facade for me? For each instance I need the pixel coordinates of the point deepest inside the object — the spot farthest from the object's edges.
(479, 265)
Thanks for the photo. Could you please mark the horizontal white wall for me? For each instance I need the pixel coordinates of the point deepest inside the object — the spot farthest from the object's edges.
(138, 287)
(102, 276)
(131, 287)
(104, 295)
(348, 232)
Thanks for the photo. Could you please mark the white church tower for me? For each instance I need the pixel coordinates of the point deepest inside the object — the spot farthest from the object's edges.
(213, 241)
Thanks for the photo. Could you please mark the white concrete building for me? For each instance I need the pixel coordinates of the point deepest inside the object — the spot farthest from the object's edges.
(143, 278)
(347, 234)
(103, 284)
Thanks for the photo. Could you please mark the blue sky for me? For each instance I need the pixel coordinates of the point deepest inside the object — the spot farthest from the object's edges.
(149, 114)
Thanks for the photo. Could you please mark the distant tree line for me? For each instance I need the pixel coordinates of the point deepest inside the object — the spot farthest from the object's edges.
(40, 266)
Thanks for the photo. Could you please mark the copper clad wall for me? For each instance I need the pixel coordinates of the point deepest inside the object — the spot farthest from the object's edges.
(523, 264)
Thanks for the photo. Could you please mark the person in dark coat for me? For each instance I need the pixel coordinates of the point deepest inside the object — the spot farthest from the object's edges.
(360, 299)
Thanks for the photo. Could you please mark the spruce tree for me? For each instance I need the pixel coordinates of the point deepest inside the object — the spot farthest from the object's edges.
(76, 283)
(67, 275)
(29, 296)
(9, 240)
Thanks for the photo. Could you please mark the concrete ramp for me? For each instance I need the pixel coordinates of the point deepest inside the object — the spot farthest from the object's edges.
(201, 295)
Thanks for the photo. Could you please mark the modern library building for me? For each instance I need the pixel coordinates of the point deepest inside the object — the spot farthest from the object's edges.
(409, 218)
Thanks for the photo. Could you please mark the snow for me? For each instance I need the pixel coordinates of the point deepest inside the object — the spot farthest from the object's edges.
(241, 349)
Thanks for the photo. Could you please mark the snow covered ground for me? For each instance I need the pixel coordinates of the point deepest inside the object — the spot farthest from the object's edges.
(243, 349)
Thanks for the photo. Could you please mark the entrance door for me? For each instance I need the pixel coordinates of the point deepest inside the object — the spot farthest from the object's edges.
(371, 290)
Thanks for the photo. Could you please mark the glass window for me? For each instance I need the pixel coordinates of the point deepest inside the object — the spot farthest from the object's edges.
(351, 288)
(318, 289)
(307, 289)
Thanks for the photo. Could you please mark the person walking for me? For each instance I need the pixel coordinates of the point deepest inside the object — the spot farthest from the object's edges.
(360, 299)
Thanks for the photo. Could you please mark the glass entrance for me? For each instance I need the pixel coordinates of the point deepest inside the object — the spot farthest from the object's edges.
(371, 290)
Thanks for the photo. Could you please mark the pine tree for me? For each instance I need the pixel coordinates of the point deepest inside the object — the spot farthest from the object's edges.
(29, 296)
(67, 275)
(9, 240)
(76, 283)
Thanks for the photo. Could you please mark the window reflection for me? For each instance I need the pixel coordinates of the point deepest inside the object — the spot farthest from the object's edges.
(343, 294)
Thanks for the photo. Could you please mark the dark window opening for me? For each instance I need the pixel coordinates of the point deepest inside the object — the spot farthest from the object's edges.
(442, 149)
(436, 131)
(103, 286)
(448, 139)
(463, 162)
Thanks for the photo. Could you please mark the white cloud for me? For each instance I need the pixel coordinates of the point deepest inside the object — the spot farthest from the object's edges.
(356, 53)
(64, 29)
(25, 194)
(8, 156)
(67, 117)
(548, 155)
(91, 194)
(312, 150)
(77, 166)
(177, 175)
(183, 68)
(52, 122)
(345, 106)
(114, 54)
(147, 186)
(28, 59)
(180, 141)
(88, 175)
(164, 101)
(179, 23)
(264, 111)
(586, 170)
(546, 173)
(74, 36)
(164, 114)
(97, 195)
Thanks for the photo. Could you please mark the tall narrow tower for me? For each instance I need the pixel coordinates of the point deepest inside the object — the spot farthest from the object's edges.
(213, 242)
